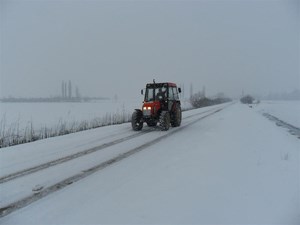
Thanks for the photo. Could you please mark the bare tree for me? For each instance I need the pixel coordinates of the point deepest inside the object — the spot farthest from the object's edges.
(62, 89)
(65, 94)
(70, 89)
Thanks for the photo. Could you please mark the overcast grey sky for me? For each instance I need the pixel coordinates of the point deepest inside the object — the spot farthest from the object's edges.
(115, 47)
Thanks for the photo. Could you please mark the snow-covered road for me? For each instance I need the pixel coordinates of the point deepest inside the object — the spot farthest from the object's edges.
(231, 167)
(44, 173)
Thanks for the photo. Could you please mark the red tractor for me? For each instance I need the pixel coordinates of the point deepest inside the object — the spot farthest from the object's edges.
(161, 105)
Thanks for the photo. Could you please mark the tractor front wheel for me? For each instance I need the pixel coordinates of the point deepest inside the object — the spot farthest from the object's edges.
(137, 120)
(164, 120)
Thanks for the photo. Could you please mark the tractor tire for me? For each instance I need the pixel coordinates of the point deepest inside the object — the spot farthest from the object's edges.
(164, 120)
(177, 115)
(137, 120)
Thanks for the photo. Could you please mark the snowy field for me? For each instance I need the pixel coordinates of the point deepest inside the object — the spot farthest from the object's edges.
(226, 164)
(288, 111)
(51, 114)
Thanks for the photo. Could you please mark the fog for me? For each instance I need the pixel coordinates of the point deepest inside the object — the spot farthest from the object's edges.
(109, 48)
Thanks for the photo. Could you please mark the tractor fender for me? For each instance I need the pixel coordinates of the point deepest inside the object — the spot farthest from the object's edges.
(139, 111)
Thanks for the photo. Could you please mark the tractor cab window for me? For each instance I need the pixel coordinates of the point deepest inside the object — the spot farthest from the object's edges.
(171, 94)
(149, 96)
(176, 95)
(160, 93)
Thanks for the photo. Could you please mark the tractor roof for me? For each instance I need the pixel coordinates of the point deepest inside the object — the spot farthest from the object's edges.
(158, 85)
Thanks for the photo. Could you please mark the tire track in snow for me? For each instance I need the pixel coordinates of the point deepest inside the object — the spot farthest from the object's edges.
(62, 184)
(292, 129)
(66, 158)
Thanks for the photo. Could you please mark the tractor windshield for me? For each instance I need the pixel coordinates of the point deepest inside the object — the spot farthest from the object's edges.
(155, 94)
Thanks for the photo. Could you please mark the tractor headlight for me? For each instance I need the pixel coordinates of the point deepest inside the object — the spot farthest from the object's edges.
(147, 110)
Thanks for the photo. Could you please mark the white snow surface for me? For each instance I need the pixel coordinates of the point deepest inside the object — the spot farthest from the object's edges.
(232, 167)
(37, 114)
(288, 111)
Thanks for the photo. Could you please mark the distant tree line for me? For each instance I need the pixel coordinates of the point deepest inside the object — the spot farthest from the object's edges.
(199, 100)
(65, 96)
(52, 99)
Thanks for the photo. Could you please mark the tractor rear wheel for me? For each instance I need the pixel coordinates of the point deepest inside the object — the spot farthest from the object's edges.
(164, 120)
(137, 120)
(176, 121)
